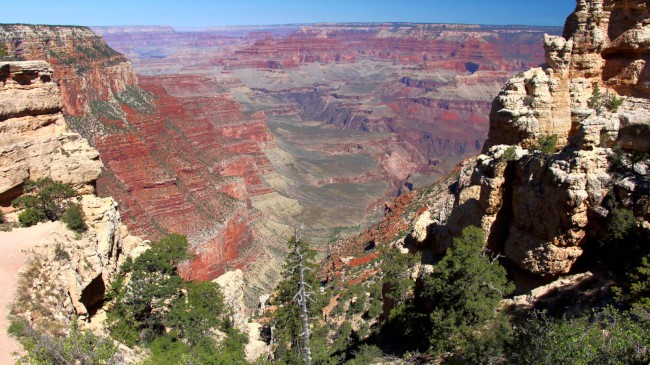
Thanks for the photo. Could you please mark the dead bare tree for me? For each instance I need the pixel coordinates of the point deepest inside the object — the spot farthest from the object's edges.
(301, 298)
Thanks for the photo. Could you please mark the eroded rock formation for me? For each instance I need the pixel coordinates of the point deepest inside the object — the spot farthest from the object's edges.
(34, 139)
(176, 163)
(541, 210)
(605, 44)
(71, 272)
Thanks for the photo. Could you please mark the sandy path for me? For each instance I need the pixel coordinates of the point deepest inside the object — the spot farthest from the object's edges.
(11, 260)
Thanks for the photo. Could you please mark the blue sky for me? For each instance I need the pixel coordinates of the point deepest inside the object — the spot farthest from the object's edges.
(202, 13)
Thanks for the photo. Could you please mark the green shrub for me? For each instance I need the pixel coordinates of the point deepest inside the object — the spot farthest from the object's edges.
(621, 225)
(465, 289)
(74, 218)
(31, 216)
(366, 354)
(613, 103)
(140, 313)
(606, 337)
(609, 100)
(629, 253)
(60, 253)
(510, 154)
(47, 198)
(173, 318)
(596, 99)
(397, 283)
(2, 217)
(77, 347)
(546, 144)
(617, 158)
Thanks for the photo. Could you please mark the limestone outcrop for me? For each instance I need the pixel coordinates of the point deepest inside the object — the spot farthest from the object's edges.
(34, 139)
(232, 286)
(68, 274)
(604, 47)
(87, 69)
(540, 209)
(72, 272)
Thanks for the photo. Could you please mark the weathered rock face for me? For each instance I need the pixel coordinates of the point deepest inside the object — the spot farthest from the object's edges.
(96, 260)
(85, 66)
(176, 163)
(34, 139)
(68, 275)
(233, 286)
(539, 210)
(605, 44)
(35, 142)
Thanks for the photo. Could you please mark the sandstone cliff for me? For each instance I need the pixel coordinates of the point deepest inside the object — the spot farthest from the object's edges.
(542, 209)
(85, 66)
(68, 274)
(34, 139)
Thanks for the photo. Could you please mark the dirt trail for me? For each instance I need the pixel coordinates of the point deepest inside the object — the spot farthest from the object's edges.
(12, 258)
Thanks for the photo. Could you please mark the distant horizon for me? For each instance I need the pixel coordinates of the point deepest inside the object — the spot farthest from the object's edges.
(300, 24)
(253, 13)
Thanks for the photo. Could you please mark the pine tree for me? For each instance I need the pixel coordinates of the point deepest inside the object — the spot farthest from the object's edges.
(294, 294)
(465, 290)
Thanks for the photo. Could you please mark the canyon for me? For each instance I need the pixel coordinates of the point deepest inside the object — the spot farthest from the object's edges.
(234, 136)
(544, 211)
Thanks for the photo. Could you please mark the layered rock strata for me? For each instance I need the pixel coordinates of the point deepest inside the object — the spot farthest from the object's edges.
(173, 163)
(541, 209)
(71, 272)
(86, 68)
(34, 139)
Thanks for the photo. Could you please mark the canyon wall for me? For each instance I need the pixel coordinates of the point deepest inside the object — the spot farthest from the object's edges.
(358, 112)
(35, 140)
(540, 207)
(36, 143)
(175, 164)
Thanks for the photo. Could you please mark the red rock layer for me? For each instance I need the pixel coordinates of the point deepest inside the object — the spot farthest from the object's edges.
(188, 165)
(190, 168)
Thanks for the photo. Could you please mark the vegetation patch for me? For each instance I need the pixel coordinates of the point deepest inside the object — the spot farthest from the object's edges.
(137, 99)
(106, 110)
(173, 318)
(77, 347)
(546, 144)
(74, 218)
(44, 199)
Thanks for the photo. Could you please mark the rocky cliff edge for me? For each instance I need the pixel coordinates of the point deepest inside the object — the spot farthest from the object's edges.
(36, 143)
(541, 209)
